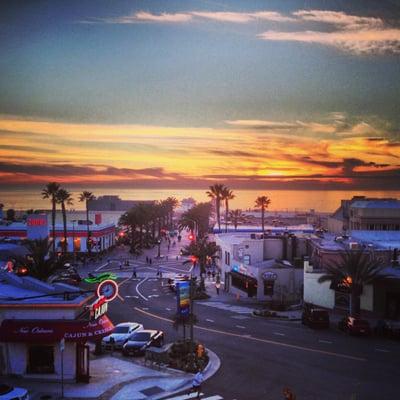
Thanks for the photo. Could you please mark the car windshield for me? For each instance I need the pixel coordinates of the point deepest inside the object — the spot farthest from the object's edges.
(140, 336)
(4, 389)
(121, 329)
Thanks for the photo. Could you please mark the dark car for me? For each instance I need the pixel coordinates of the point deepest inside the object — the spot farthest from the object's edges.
(68, 276)
(355, 326)
(138, 342)
(315, 317)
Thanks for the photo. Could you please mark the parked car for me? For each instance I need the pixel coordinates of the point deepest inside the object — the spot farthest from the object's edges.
(178, 278)
(70, 276)
(8, 392)
(315, 317)
(120, 336)
(355, 326)
(139, 341)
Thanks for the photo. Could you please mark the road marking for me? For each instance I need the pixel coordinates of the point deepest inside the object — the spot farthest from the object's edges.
(240, 326)
(291, 346)
(131, 297)
(216, 397)
(324, 341)
(138, 291)
(102, 266)
(155, 290)
(279, 334)
(168, 309)
(382, 350)
(144, 308)
(153, 295)
(209, 320)
(186, 396)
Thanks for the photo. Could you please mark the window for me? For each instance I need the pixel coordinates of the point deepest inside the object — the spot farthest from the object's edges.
(40, 360)
(246, 259)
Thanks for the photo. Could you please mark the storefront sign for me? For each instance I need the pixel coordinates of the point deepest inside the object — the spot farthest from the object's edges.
(99, 307)
(107, 289)
(241, 269)
(37, 226)
(48, 331)
(183, 298)
(269, 276)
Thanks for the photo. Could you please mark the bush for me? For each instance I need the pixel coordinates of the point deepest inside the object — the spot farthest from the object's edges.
(183, 356)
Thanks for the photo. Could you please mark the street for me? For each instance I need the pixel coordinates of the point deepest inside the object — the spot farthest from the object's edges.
(259, 357)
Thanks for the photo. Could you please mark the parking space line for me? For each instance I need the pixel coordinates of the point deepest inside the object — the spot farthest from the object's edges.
(240, 326)
(279, 334)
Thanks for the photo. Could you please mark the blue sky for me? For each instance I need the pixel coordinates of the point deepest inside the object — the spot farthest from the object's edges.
(204, 64)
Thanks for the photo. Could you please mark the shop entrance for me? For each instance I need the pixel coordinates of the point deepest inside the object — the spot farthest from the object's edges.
(245, 283)
(82, 363)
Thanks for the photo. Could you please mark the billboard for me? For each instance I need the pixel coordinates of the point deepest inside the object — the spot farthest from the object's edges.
(183, 297)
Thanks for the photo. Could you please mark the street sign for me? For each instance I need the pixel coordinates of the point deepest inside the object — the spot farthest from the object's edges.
(183, 297)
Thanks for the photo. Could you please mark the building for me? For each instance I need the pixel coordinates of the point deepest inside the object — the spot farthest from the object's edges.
(45, 329)
(382, 298)
(266, 267)
(362, 213)
(114, 203)
(102, 235)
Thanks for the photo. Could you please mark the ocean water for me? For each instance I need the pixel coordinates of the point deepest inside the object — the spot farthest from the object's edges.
(282, 200)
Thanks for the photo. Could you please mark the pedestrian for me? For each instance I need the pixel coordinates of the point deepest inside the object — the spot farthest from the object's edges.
(120, 265)
(173, 243)
(209, 275)
(288, 394)
(150, 261)
(147, 260)
(168, 246)
(177, 258)
(196, 383)
(217, 286)
(134, 272)
(213, 275)
(166, 257)
(158, 271)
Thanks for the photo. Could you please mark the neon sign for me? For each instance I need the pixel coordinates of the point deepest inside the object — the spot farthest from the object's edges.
(99, 307)
(108, 289)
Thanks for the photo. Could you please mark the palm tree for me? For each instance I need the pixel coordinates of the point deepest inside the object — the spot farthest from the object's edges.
(353, 270)
(227, 195)
(203, 251)
(171, 204)
(40, 266)
(215, 193)
(236, 216)
(64, 197)
(263, 202)
(50, 192)
(87, 197)
(198, 214)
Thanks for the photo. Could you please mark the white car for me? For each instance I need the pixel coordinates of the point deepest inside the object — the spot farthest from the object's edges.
(120, 336)
(8, 392)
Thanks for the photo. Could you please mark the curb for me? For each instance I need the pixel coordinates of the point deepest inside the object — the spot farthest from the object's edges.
(277, 317)
(211, 368)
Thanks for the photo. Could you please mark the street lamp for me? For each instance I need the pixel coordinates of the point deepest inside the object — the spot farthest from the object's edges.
(159, 250)
(73, 239)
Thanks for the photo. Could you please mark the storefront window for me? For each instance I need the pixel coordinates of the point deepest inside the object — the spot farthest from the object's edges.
(40, 360)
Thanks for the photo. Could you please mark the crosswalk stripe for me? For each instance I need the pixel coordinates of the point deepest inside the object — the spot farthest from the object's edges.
(185, 396)
(216, 397)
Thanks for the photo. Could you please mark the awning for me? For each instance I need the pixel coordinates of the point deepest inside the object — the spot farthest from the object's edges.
(14, 330)
(244, 278)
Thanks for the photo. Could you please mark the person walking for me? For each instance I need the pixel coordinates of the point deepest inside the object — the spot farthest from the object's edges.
(217, 287)
(147, 260)
(196, 383)
(134, 275)
(150, 261)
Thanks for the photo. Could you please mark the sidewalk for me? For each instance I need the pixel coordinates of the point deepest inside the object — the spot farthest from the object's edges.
(119, 378)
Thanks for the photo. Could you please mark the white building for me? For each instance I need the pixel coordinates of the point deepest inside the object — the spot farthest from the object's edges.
(37, 321)
(263, 266)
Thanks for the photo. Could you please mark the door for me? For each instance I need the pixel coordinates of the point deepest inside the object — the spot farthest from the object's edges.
(82, 363)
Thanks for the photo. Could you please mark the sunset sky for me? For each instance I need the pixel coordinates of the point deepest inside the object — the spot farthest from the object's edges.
(182, 94)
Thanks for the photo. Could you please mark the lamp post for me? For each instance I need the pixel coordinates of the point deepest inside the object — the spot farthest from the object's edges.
(159, 250)
(73, 239)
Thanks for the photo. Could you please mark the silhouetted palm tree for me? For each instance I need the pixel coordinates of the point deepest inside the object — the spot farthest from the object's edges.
(87, 197)
(236, 216)
(198, 214)
(50, 192)
(353, 270)
(215, 193)
(263, 202)
(227, 195)
(64, 197)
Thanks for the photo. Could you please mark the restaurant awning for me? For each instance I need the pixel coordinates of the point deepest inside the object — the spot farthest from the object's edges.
(14, 330)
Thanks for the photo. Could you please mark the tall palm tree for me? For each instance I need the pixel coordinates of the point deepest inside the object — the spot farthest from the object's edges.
(353, 270)
(171, 203)
(263, 202)
(64, 197)
(87, 197)
(227, 195)
(198, 214)
(50, 192)
(215, 193)
(236, 216)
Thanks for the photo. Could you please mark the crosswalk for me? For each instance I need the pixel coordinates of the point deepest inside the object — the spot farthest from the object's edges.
(226, 307)
(194, 396)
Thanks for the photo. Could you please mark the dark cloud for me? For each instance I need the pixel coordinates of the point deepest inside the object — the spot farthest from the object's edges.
(350, 163)
(26, 148)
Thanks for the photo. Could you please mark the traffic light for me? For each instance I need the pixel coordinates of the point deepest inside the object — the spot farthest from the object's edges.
(191, 237)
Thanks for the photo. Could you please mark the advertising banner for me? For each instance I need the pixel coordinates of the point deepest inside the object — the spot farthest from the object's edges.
(183, 297)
